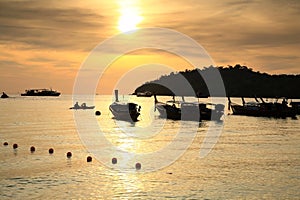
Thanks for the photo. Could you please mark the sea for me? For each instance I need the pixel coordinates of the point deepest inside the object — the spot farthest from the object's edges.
(239, 157)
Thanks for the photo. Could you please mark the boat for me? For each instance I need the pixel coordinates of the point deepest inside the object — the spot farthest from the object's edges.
(144, 94)
(125, 111)
(82, 107)
(296, 107)
(263, 109)
(188, 111)
(215, 113)
(4, 95)
(40, 92)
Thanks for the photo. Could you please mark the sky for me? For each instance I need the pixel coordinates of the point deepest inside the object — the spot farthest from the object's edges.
(45, 43)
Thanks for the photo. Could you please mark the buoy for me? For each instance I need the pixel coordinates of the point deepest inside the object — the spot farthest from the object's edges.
(51, 151)
(69, 154)
(5, 143)
(32, 149)
(98, 113)
(15, 146)
(138, 166)
(89, 159)
(114, 161)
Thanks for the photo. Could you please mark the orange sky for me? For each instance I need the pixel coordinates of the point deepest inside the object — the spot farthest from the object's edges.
(44, 43)
(132, 69)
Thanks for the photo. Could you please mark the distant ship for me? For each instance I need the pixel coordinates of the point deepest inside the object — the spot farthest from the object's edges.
(4, 95)
(40, 92)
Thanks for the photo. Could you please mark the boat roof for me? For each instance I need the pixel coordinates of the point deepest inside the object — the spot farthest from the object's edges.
(182, 102)
(122, 104)
(39, 89)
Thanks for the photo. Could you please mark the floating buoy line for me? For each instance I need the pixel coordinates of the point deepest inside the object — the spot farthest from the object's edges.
(69, 154)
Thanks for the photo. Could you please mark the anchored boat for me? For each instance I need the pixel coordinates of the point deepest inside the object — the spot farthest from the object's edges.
(296, 107)
(181, 110)
(4, 95)
(125, 111)
(263, 109)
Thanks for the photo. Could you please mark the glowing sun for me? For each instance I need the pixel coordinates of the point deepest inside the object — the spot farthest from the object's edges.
(129, 19)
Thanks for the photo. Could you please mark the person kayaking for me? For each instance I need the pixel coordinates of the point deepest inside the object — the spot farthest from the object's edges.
(83, 105)
(76, 105)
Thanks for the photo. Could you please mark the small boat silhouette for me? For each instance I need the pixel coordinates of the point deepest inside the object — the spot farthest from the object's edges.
(125, 111)
(82, 107)
(263, 109)
(4, 95)
(181, 110)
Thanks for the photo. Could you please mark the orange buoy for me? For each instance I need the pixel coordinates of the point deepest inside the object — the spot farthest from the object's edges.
(89, 159)
(32, 149)
(51, 151)
(5, 143)
(97, 113)
(138, 166)
(114, 161)
(69, 154)
(15, 146)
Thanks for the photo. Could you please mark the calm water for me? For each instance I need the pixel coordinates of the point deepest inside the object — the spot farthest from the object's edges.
(253, 157)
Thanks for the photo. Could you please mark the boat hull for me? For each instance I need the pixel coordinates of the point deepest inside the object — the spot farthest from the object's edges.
(4, 96)
(264, 110)
(169, 112)
(296, 107)
(126, 112)
(83, 108)
(41, 95)
(40, 92)
(188, 113)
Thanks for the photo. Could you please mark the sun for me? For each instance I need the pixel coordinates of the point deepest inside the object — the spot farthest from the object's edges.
(129, 18)
(129, 22)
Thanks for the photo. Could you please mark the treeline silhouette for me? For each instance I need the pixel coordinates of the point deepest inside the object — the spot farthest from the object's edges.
(239, 81)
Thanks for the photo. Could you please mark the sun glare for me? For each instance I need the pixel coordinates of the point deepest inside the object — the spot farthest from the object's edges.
(129, 17)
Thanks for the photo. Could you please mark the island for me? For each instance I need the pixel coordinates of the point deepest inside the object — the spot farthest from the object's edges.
(239, 81)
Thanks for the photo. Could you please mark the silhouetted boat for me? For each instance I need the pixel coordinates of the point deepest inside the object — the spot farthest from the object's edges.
(263, 109)
(4, 95)
(125, 111)
(296, 107)
(82, 107)
(144, 94)
(40, 92)
(181, 110)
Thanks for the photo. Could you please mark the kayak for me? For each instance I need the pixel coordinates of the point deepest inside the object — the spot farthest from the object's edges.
(83, 107)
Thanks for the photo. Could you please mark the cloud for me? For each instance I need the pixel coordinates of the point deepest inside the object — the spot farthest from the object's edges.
(238, 30)
(45, 26)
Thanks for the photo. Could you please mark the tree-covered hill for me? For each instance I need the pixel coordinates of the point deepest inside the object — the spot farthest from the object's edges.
(239, 81)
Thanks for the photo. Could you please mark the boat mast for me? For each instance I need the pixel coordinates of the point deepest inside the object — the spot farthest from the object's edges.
(116, 95)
